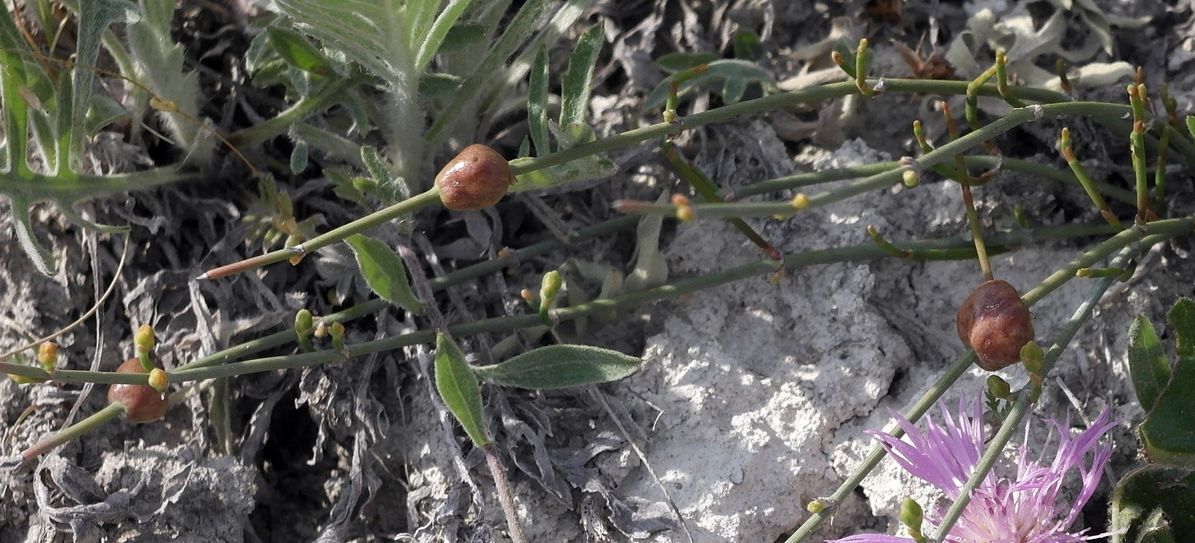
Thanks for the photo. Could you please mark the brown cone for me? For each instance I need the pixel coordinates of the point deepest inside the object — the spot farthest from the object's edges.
(141, 402)
(995, 322)
(475, 179)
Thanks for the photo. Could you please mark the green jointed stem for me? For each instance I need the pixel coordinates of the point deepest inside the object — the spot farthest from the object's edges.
(885, 245)
(1002, 79)
(73, 431)
(469, 273)
(972, 110)
(702, 184)
(913, 413)
(981, 250)
(780, 101)
(942, 249)
(1089, 186)
(1137, 147)
(979, 161)
(862, 58)
(1160, 173)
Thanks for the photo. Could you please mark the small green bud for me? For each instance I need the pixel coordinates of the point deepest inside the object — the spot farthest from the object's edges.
(159, 380)
(304, 322)
(911, 516)
(1033, 357)
(143, 343)
(549, 288)
(337, 333)
(143, 340)
(550, 285)
(911, 178)
(815, 506)
(998, 387)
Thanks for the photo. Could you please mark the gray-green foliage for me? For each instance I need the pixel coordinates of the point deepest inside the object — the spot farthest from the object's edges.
(458, 388)
(1158, 500)
(384, 272)
(1166, 391)
(571, 127)
(158, 62)
(560, 366)
(1026, 39)
(53, 108)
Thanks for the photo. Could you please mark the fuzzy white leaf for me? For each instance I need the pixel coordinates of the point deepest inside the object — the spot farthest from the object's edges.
(159, 64)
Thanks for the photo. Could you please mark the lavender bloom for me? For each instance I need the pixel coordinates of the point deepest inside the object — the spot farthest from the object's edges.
(1023, 508)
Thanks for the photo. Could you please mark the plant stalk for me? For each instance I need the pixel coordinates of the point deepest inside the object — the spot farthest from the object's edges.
(405, 207)
(97, 419)
(505, 496)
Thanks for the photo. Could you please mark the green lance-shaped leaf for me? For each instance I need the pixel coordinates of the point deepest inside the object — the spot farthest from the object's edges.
(1168, 432)
(1182, 318)
(734, 74)
(676, 62)
(458, 387)
(574, 92)
(537, 104)
(1148, 495)
(1148, 366)
(431, 41)
(297, 51)
(461, 37)
(384, 272)
(94, 18)
(560, 366)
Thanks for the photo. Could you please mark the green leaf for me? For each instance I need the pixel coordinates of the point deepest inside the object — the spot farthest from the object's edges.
(15, 112)
(432, 86)
(1148, 495)
(104, 111)
(719, 70)
(377, 35)
(575, 87)
(94, 18)
(522, 25)
(1191, 125)
(590, 167)
(458, 387)
(1168, 433)
(1182, 318)
(42, 258)
(462, 37)
(298, 157)
(747, 45)
(1148, 366)
(159, 65)
(297, 51)
(377, 167)
(677, 62)
(384, 272)
(537, 104)
(560, 366)
(433, 40)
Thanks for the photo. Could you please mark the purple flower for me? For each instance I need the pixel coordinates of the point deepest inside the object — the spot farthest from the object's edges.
(1022, 508)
